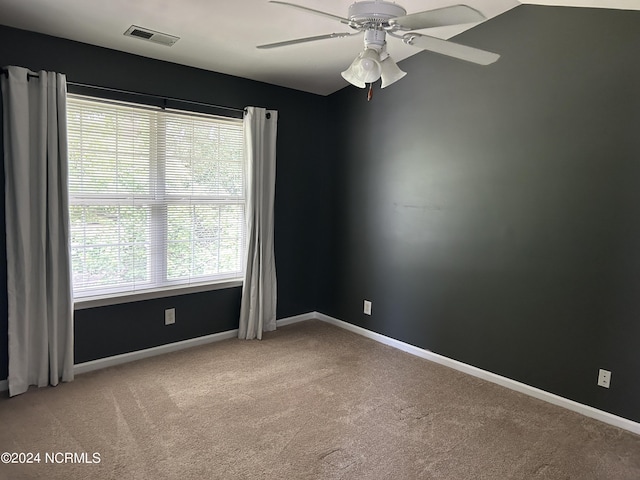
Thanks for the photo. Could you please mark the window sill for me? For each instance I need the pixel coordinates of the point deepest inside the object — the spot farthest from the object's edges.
(105, 300)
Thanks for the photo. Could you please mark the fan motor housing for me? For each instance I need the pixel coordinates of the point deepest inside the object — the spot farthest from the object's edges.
(375, 12)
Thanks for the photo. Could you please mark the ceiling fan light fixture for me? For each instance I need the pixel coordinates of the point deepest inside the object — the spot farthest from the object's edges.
(366, 68)
(369, 67)
(391, 73)
(351, 76)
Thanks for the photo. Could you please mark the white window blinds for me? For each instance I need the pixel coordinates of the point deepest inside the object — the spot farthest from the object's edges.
(157, 198)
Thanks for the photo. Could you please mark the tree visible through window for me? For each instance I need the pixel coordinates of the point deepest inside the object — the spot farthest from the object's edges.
(157, 198)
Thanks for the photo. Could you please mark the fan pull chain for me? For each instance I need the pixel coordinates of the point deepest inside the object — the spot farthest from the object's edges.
(370, 92)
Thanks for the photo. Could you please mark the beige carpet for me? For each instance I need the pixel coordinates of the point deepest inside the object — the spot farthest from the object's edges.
(310, 401)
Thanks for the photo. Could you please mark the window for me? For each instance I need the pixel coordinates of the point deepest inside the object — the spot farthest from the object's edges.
(157, 198)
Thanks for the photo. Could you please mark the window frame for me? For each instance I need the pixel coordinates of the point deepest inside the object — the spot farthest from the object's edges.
(168, 288)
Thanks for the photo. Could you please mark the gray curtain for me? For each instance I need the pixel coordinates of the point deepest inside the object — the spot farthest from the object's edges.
(259, 291)
(37, 223)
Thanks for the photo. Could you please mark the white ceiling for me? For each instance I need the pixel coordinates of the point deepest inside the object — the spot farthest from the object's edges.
(222, 35)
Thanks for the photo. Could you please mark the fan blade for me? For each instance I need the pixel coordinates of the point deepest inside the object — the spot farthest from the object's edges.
(315, 12)
(451, 49)
(306, 39)
(440, 17)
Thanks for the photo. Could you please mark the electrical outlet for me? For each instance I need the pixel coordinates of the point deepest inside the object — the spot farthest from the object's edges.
(604, 378)
(367, 307)
(170, 316)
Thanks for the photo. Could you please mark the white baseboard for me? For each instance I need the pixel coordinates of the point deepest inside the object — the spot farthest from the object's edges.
(100, 363)
(152, 352)
(586, 410)
(298, 318)
(172, 347)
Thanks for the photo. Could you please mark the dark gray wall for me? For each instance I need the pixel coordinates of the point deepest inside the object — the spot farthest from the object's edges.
(105, 331)
(492, 214)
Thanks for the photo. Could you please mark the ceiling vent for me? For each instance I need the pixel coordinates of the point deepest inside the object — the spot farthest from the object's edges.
(151, 35)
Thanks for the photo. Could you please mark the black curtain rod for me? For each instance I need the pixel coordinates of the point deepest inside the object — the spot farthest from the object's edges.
(161, 97)
(29, 75)
(127, 92)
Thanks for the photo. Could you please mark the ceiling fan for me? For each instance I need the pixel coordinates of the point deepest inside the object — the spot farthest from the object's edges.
(378, 18)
